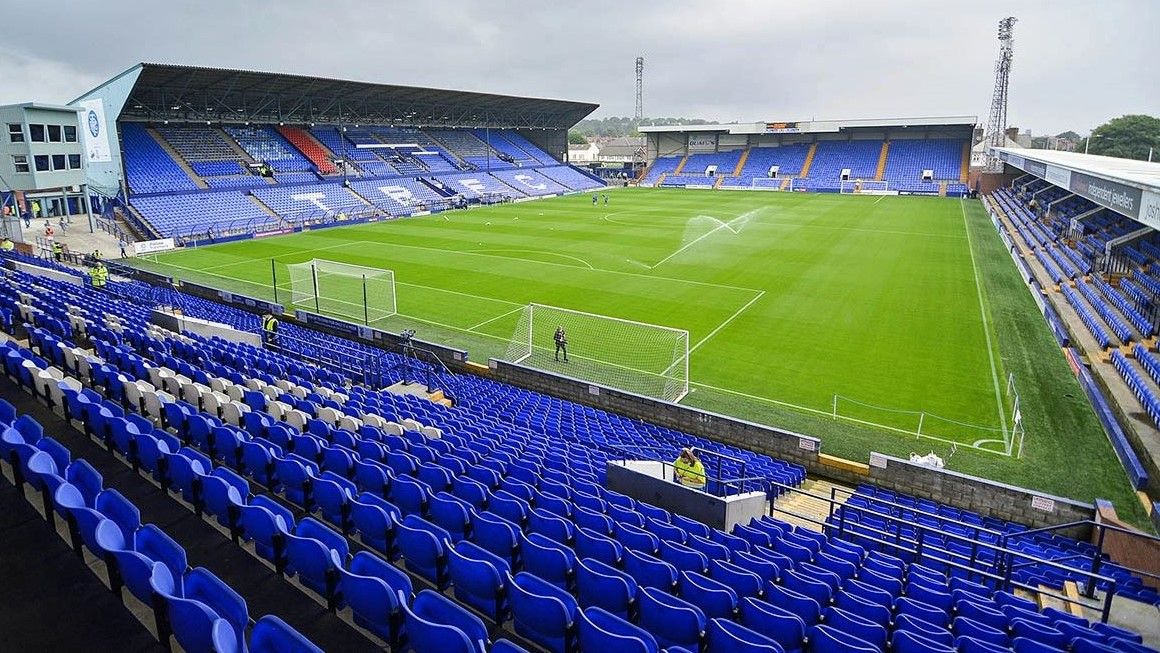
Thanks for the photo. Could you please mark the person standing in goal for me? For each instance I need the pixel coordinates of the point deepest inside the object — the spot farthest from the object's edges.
(561, 339)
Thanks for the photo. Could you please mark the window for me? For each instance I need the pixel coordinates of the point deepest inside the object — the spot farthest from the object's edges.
(15, 133)
(70, 134)
(20, 162)
(54, 133)
(74, 161)
(41, 162)
(58, 162)
(37, 132)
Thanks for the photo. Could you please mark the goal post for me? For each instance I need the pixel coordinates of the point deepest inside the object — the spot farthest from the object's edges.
(864, 187)
(645, 359)
(352, 292)
(771, 183)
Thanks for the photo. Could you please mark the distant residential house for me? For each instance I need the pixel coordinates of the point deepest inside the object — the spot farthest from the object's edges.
(586, 153)
(625, 149)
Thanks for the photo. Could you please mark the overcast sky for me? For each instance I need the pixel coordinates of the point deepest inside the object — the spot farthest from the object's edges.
(1077, 62)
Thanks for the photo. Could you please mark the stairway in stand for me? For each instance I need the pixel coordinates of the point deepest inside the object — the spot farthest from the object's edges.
(809, 161)
(880, 171)
(812, 509)
(964, 174)
(681, 165)
(177, 158)
(741, 163)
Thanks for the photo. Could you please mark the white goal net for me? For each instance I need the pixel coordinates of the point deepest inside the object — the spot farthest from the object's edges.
(352, 292)
(645, 359)
(771, 183)
(865, 186)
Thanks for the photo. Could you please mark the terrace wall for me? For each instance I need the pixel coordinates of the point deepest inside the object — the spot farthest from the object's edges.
(985, 497)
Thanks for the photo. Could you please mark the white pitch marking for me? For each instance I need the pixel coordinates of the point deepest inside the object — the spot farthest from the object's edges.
(986, 327)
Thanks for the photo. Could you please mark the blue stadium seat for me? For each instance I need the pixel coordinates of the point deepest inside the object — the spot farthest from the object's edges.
(647, 571)
(316, 553)
(672, 621)
(374, 519)
(905, 641)
(604, 631)
(856, 626)
(800, 605)
(497, 535)
(726, 636)
(548, 560)
(372, 587)
(424, 548)
(435, 624)
(479, 579)
(272, 635)
(715, 599)
(543, 613)
(784, 627)
(603, 586)
(824, 639)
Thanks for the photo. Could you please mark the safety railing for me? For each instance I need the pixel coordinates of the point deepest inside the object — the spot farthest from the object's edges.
(994, 564)
(1097, 558)
(419, 365)
(716, 483)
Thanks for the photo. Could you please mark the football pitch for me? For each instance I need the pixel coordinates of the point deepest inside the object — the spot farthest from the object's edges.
(868, 320)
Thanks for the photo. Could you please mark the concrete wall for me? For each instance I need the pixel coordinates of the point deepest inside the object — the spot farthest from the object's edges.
(785, 445)
(648, 481)
(988, 498)
(985, 497)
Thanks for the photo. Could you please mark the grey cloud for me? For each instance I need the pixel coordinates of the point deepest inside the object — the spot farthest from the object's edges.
(1077, 63)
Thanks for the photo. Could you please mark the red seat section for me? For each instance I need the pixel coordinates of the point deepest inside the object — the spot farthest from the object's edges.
(310, 147)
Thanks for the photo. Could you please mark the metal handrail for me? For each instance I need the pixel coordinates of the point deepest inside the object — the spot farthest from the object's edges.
(918, 511)
(999, 569)
(723, 484)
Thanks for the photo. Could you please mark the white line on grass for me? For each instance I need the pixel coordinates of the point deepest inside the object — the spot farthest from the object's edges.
(879, 199)
(532, 251)
(514, 310)
(560, 265)
(847, 418)
(721, 225)
(724, 324)
(460, 293)
(986, 323)
(250, 260)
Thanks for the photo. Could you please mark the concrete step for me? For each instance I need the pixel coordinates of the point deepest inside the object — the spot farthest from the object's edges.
(809, 511)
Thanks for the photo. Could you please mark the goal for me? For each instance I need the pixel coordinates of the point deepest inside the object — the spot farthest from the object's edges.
(353, 292)
(865, 187)
(645, 359)
(771, 183)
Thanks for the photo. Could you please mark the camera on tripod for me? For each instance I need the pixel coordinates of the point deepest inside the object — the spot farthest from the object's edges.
(406, 336)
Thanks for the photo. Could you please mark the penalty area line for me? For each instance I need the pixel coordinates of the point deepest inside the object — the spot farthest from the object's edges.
(514, 310)
(736, 314)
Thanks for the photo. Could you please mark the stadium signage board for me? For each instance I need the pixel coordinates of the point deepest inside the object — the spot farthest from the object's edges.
(153, 246)
(1035, 167)
(782, 128)
(250, 302)
(1112, 194)
(1150, 208)
(1059, 176)
(273, 232)
(1043, 503)
(702, 142)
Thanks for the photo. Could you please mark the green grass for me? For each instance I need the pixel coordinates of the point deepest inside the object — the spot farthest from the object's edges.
(897, 305)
